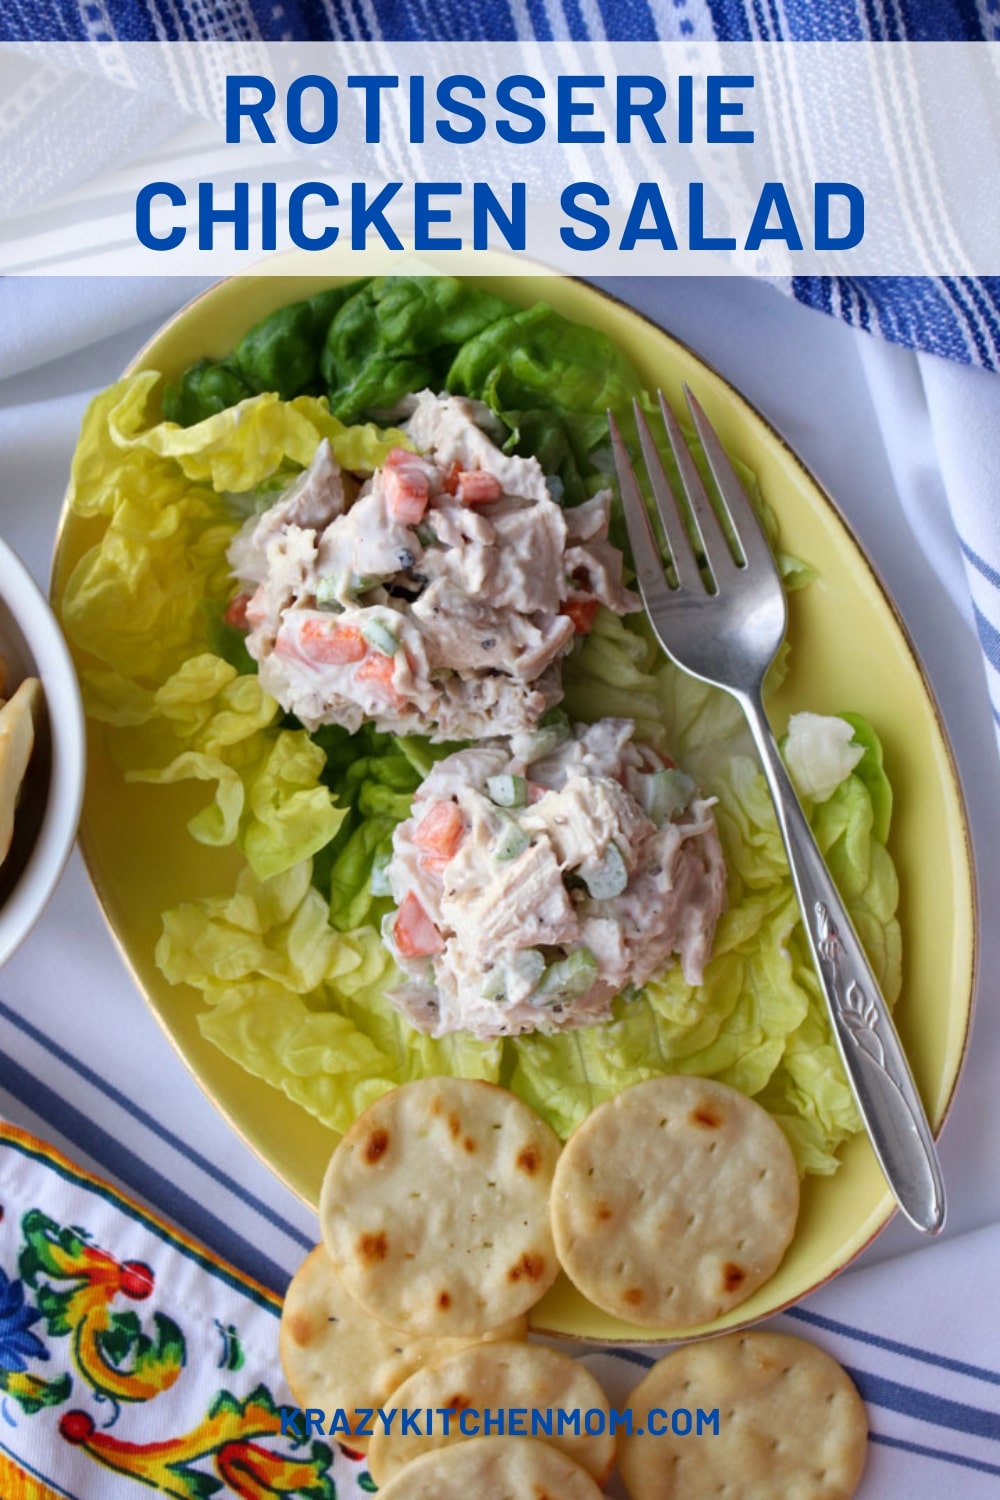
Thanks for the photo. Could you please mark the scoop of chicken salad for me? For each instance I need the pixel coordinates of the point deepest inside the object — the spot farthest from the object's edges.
(438, 599)
(539, 877)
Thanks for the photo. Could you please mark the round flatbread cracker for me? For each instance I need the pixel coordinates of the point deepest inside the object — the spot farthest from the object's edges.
(674, 1201)
(435, 1210)
(495, 1378)
(337, 1357)
(790, 1422)
(516, 1468)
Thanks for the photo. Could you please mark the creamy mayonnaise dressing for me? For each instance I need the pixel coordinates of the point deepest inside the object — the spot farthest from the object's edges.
(536, 880)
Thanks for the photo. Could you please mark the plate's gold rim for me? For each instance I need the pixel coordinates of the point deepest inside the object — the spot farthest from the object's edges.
(884, 1209)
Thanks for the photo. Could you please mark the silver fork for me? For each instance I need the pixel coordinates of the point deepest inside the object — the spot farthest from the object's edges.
(729, 636)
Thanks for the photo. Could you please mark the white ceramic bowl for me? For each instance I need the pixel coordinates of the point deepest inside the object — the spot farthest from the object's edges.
(49, 807)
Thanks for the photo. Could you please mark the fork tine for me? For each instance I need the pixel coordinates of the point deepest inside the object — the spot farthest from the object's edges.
(746, 527)
(685, 563)
(645, 551)
(713, 538)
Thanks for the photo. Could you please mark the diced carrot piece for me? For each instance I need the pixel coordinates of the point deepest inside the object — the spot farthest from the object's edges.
(406, 491)
(440, 830)
(476, 487)
(326, 641)
(435, 864)
(414, 932)
(236, 613)
(379, 669)
(451, 479)
(582, 612)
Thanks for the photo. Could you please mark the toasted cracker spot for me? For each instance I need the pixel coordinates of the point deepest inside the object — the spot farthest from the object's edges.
(373, 1247)
(680, 1190)
(497, 1377)
(375, 1146)
(453, 1201)
(444, 1300)
(791, 1423)
(529, 1160)
(531, 1267)
(733, 1277)
(300, 1329)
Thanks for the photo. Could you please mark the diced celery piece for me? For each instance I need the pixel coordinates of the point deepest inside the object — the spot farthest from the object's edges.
(609, 878)
(512, 841)
(567, 977)
(507, 791)
(380, 636)
(666, 793)
(327, 592)
(528, 964)
(495, 984)
(525, 964)
(539, 742)
(360, 583)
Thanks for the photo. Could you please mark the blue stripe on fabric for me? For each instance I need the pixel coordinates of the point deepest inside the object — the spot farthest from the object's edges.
(893, 31)
(986, 311)
(939, 1453)
(140, 1177)
(763, 31)
(174, 1141)
(917, 20)
(335, 23)
(989, 637)
(729, 20)
(539, 17)
(575, 23)
(980, 564)
(628, 20)
(894, 1346)
(942, 21)
(952, 287)
(892, 1395)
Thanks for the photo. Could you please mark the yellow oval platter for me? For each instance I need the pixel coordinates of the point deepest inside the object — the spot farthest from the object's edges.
(849, 651)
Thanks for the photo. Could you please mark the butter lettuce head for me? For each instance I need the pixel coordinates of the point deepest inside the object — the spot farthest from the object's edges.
(289, 965)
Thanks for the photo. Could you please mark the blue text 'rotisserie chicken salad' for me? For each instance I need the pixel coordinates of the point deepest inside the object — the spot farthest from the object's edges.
(453, 575)
(538, 879)
(440, 599)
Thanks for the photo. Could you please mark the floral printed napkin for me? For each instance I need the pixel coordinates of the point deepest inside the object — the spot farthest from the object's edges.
(131, 1359)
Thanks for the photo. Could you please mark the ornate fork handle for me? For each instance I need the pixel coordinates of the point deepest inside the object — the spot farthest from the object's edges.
(862, 1025)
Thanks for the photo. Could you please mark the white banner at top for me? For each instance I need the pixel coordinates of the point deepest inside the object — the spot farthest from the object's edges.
(774, 159)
